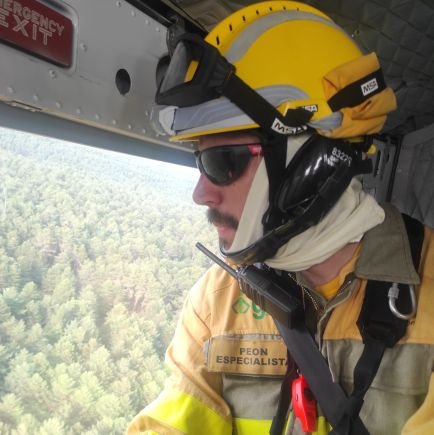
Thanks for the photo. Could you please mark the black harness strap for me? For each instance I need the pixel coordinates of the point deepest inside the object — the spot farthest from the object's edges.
(415, 231)
(279, 419)
(329, 394)
(380, 329)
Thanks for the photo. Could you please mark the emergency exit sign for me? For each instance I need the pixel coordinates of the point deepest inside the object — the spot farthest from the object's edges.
(35, 28)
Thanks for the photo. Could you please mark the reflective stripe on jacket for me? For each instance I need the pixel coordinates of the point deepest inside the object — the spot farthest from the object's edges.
(227, 358)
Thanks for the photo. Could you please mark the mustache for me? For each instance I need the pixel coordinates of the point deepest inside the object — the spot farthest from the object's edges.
(217, 218)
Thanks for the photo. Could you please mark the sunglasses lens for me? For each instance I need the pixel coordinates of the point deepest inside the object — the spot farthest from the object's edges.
(223, 165)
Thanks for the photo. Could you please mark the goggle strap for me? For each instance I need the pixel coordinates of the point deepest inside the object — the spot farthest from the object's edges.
(262, 112)
(359, 91)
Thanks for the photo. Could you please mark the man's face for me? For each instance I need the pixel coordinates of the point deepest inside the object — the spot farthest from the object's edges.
(226, 203)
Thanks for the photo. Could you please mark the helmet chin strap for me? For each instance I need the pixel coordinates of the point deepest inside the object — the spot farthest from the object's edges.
(275, 155)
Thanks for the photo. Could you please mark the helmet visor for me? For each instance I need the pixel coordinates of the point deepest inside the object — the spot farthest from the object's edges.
(197, 73)
(176, 73)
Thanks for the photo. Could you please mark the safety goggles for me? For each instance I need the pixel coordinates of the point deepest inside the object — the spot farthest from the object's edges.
(222, 165)
(197, 73)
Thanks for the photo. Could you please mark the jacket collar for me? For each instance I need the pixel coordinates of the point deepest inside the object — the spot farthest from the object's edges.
(385, 253)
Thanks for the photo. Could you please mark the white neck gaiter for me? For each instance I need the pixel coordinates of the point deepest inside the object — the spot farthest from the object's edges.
(355, 213)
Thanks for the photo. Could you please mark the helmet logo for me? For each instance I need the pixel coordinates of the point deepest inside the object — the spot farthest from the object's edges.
(282, 128)
(339, 155)
(311, 107)
(369, 87)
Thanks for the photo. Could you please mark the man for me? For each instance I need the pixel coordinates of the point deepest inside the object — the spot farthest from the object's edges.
(281, 103)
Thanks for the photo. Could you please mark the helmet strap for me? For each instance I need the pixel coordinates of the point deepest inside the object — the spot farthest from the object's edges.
(262, 112)
(274, 151)
(364, 144)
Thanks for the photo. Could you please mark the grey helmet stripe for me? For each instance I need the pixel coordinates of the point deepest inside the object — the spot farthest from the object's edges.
(221, 112)
(328, 123)
(221, 108)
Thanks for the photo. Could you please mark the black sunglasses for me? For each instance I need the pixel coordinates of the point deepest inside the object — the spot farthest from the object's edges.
(224, 164)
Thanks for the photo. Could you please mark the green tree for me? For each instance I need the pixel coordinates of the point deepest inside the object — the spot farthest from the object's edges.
(96, 255)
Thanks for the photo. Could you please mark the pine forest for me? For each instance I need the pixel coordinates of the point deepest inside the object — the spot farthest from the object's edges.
(97, 252)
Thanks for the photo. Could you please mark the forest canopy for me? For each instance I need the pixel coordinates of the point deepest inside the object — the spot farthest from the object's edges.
(96, 255)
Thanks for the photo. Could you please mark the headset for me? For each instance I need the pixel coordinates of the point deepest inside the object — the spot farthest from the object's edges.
(305, 191)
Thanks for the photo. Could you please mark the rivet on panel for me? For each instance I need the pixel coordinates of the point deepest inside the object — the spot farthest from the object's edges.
(144, 130)
(146, 113)
(11, 90)
(78, 111)
(129, 126)
(146, 22)
(97, 117)
(35, 97)
(118, 4)
(83, 46)
(133, 13)
(58, 105)
(157, 29)
(114, 122)
(52, 73)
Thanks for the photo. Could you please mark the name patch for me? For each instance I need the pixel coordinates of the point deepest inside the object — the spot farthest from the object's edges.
(250, 357)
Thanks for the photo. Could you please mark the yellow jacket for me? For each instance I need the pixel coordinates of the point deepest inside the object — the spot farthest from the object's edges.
(227, 358)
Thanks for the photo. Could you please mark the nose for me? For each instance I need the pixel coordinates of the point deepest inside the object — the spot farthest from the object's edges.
(206, 193)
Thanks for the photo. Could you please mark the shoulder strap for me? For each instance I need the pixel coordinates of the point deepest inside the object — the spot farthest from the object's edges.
(380, 329)
(415, 232)
(329, 394)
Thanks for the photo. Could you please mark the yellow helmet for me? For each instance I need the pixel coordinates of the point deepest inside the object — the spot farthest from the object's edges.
(294, 57)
